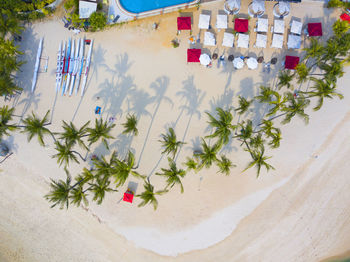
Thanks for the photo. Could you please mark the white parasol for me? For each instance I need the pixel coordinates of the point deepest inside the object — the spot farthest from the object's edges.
(238, 63)
(221, 21)
(252, 63)
(278, 26)
(228, 39)
(256, 8)
(243, 41)
(233, 4)
(261, 40)
(204, 59)
(209, 39)
(294, 41)
(277, 41)
(281, 9)
(203, 21)
(263, 25)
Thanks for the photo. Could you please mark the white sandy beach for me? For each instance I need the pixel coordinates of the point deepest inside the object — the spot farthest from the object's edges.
(299, 212)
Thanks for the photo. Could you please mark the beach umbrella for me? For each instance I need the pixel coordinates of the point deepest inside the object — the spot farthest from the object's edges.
(204, 59)
(314, 29)
(252, 63)
(233, 5)
(291, 62)
(241, 25)
(281, 9)
(238, 63)
(256, 8)
(184, 23)
(193, 55)
(228, 39)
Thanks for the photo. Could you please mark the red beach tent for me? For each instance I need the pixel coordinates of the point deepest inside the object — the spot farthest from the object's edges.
(241, 25)
(345, 17)
(193, 55)
(184, 23)
(128, 196)
(314, 29)
(291, 62)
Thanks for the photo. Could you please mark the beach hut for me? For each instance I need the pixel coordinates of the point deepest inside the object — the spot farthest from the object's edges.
(291, 62)
(128, 196)
(221, 21)
(241, 25)
(296, 27)
(252, 63)
(209, 39)
(86, 8)
(261, 40)
(278, 26)
(205, 59)
(243, 41)
(193, 55)
(314, 29)
(238, 63)
(263, 25)
(294, 41)
(228, 39)
(232, 7)
(204, 21)
(277, 41)
(256, 8)
(184, 23)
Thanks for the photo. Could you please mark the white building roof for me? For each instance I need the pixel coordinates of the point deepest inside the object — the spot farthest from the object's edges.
(86, 8)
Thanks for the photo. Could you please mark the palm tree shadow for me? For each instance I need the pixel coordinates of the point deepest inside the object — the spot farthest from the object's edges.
(33, 98)
(140, 100)
(123, 144)
(160, 87)
(97, 59)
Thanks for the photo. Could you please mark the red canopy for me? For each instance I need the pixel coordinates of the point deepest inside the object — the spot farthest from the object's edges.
(291, 62)
(193, 55)
(345, 17)
(128, 196)
(314, 29)
(184, 23)
(241, 25)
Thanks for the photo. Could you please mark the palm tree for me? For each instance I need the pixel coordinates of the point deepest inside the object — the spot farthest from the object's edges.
(256, 141)
(34, 126)
(101, 131)
(126, 168)
(208, 154)
(340, 28)
(225, 165)
(9, 23)
(99, 189)
(169, 142)
(173, 175)
(271, 132)
(278, 103)
(72, 135)
(284, 79)
(104, 168)
(243, 105)
(259, 160)
(265, 94)
(302, 72)
(130, 125)
(78, 195)
(65, 153)
(276, 138)
(223, 126)
(59, 193)
(191, 164)
(333, 70)
(6, 115)
(149, 196)
(315, 50)
(297, 107)
(323, 88)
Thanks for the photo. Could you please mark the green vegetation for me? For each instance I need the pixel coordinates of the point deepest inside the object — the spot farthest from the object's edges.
(98, 21)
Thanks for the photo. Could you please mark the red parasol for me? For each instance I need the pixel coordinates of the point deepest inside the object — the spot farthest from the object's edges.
(241, 25)
(314, 29)
(193, 55)
(184, 23)
(291, 62)
(128, 196)
(345, 17)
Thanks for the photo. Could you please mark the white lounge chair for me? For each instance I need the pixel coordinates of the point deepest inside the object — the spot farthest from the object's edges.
(296, 27)
(209, 39)
(243, 41)
(278, 26)
(277, 41)
(221, 21)
(204, 21)
(261, 41)
(294, 41)
(228, 39)
(263, 25)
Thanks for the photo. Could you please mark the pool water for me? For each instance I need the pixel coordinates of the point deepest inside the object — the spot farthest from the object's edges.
(139, 6)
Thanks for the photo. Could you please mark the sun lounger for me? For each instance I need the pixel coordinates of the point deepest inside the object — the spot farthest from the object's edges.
(204, 21)
(294, 41)
(228, 39)
(277, 41)
(232, 7)
(263, 25)
(209, 39)
(221, 21)
(296, 27)
(278, 26)
(261, 41)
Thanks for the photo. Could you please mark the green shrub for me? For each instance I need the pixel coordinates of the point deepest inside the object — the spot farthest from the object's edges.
(334, 3)
(175, 43)
(99, 6)
(69, 4)
(98, 21)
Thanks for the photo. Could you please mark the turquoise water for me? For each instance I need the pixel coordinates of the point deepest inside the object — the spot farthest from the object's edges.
(138, 6)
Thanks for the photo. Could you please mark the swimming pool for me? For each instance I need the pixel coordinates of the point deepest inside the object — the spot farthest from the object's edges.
(140, 6)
